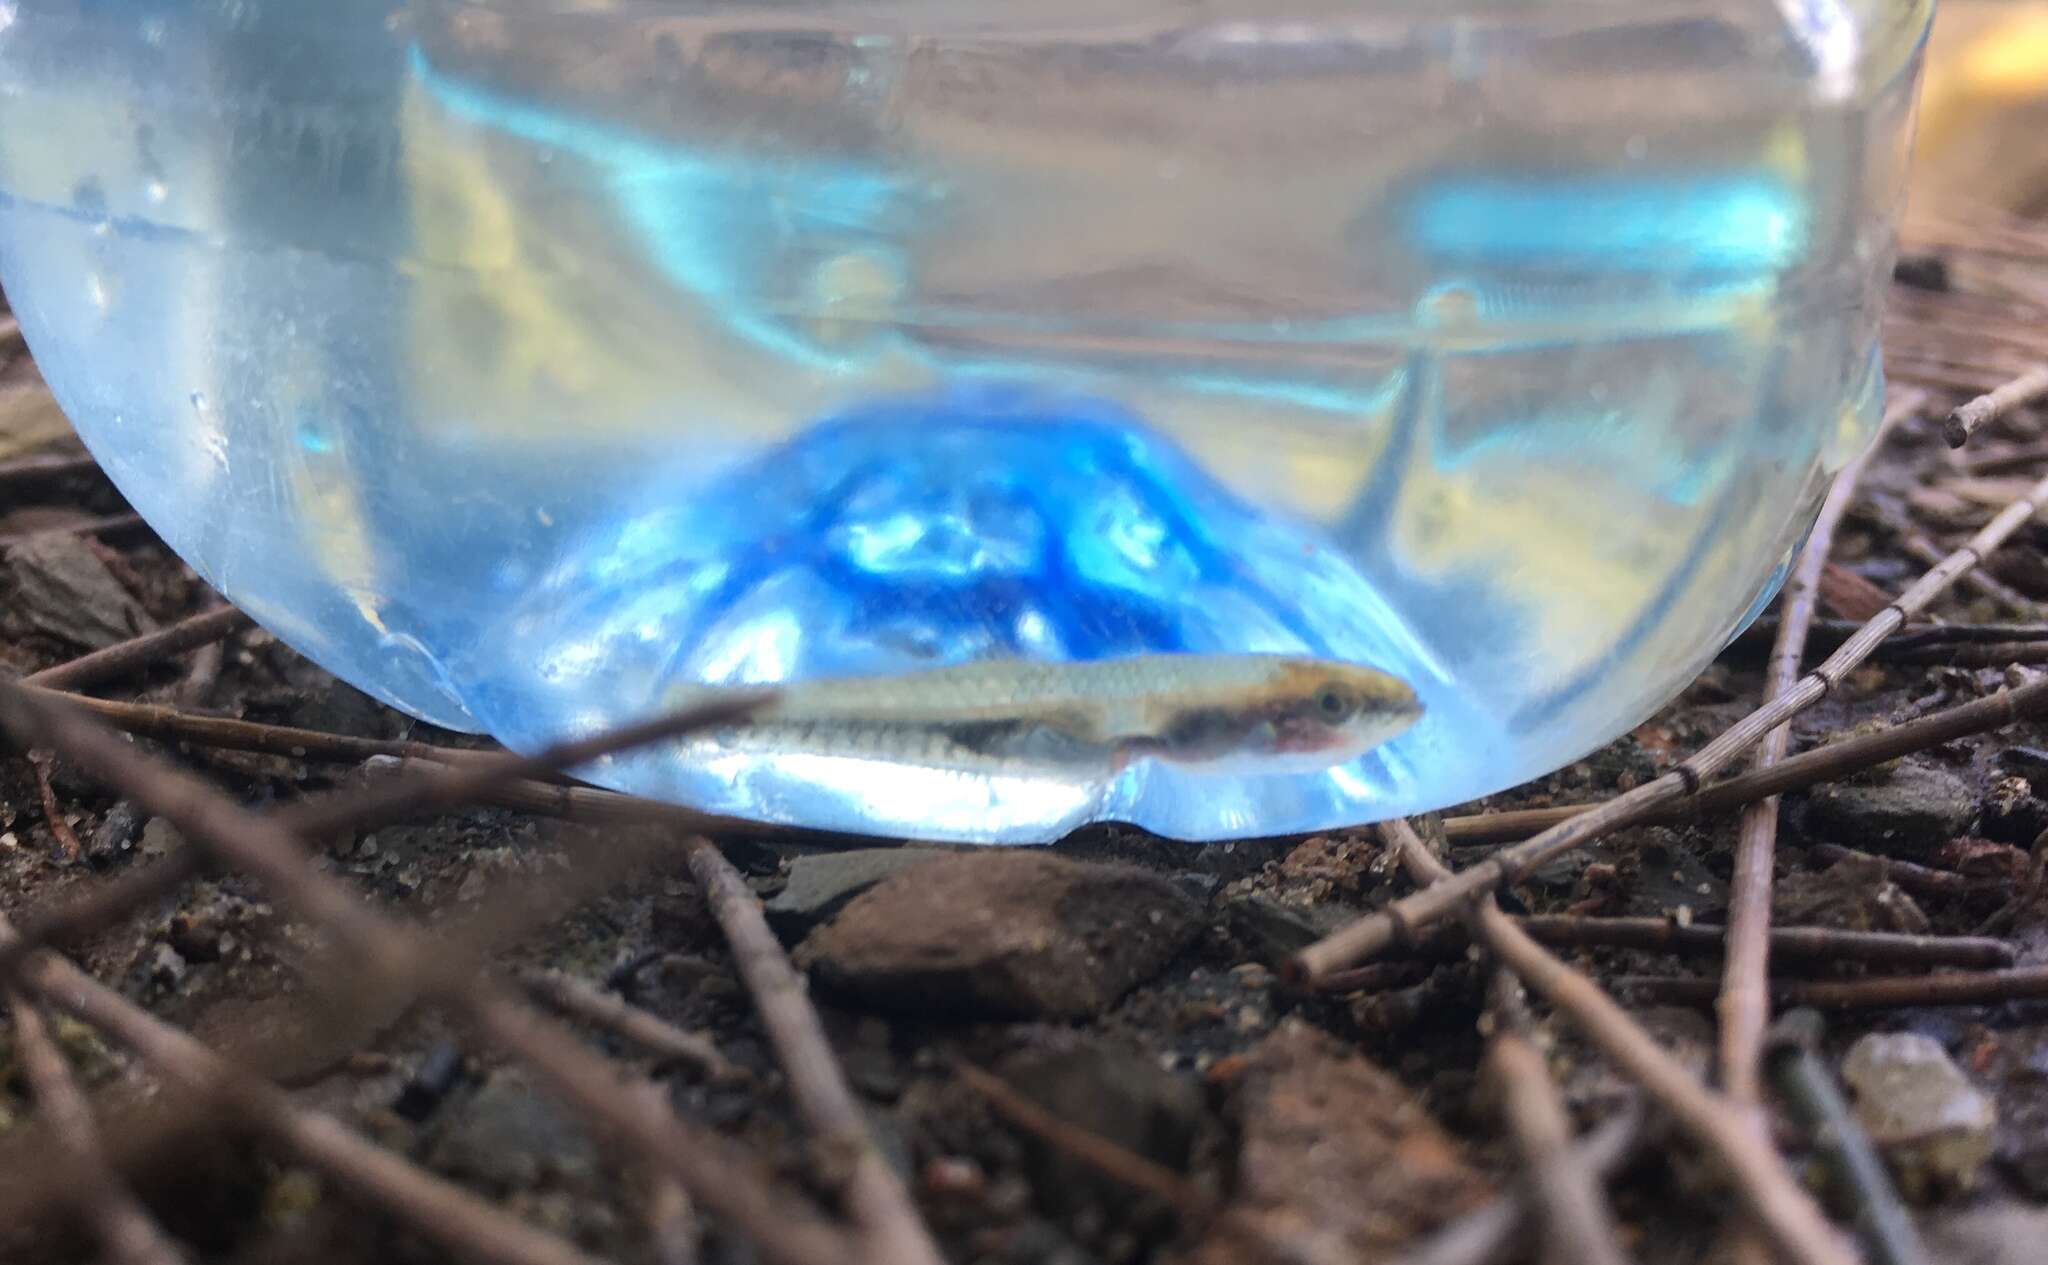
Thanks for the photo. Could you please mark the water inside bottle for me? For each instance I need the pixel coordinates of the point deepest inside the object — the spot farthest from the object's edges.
(518, 364)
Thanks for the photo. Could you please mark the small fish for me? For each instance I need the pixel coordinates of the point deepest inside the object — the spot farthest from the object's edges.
(1249, 713)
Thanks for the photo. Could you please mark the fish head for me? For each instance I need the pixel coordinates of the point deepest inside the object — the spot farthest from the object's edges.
(1303, 715)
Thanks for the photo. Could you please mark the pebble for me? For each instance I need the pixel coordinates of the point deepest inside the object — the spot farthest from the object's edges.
(1005, 934)
(1855, 894)
(2012, 813)
(1909, 815)
(62, 588)
(508, 1137)
(1320, 1192)
(1934, 1126)
(1115, 1094)
(1273, 930)
(160, 838)
(821, 884)
(2004, 1235)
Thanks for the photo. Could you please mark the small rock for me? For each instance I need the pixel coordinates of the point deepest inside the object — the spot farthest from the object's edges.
(507, 1137)
(1121, 1096)
(1273, 930)
(2011, 813)
(116, 835)
(954, 1177)
(1933, 1125)
(166, 966)
(1909, 815)
(160, 838)
(1853, 894)
(1323, 1192)
(62, 588)
(821, 883)
(2004, 1234)
(1013, 934)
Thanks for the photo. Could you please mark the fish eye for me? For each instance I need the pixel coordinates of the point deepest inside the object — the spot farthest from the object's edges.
(1334, 703)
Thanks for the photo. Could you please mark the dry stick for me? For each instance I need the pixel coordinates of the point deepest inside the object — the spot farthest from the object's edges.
(467, 1226)
(1745, 1008)
(1990, 654)
(196, 687)
(1989, 407)
(441, 786)
(672, 1223)
(2011, 461)
(1104, 1156)
(53, 816)
(895, 1233)
(1882, 992)
(1373, 934)
(715, 1174)
(106, 526)
(1896, 521)
(126, 1233)
(1822, 944)
(1822, 764)
(1767, 1189)
(1803, 1078)
(1570, 1206)
(2037, 876)
(176, 724)
(1491, 1235)
(141, 652)
(37, 469)
(643, 1028)
(1921, 880)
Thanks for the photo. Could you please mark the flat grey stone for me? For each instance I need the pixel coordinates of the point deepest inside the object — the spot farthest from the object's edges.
(820, 884)
(1002, 934)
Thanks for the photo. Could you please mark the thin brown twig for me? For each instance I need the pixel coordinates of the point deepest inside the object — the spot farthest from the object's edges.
(459, 1221)
(1897, 522)
(1767, 1189)
(643, 1028)
(141, 652)
(41, 468)
(1125, 1167)
(127, 1233)
(1376, 932)
(718, 1177)
(895, 1233)
(1492, 1235)
(108, 525)
(1809, 944)
(201, 675)
(434, 787)
(176, 724)
(1570, 1207)
(1973, 415)
(2037, 877)
(1745, 1007)
(1921, 880)
(672, 1222)
(1880, 992)
(53, 815)
(1809, 768)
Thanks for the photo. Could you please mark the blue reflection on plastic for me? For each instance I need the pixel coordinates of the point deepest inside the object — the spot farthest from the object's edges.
(1683, 224)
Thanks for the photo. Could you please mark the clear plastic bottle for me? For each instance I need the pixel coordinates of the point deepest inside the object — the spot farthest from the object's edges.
(517, 360)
